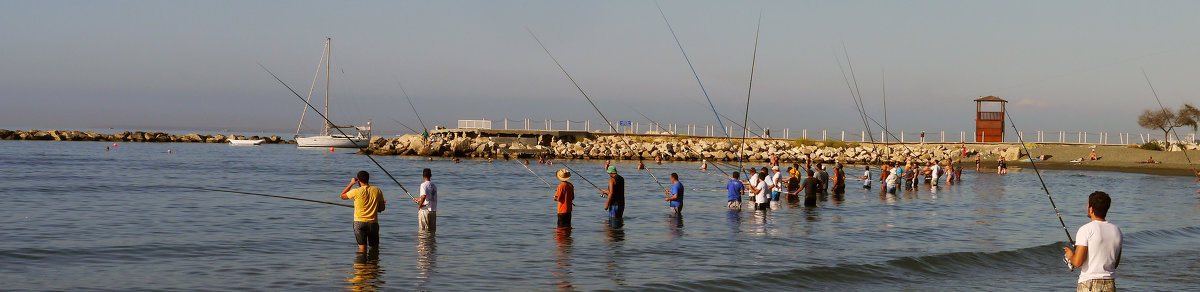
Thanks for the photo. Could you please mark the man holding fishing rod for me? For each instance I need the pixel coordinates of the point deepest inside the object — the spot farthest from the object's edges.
(1097, 247)
(368, 202)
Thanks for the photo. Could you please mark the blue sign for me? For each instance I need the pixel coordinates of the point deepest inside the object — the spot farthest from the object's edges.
(625, 123)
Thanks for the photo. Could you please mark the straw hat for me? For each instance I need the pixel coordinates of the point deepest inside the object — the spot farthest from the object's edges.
(563, 174)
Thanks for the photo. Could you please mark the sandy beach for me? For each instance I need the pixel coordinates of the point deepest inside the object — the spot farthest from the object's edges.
(1112, 158)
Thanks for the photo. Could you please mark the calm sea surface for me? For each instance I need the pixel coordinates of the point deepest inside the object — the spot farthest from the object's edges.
(77, 217)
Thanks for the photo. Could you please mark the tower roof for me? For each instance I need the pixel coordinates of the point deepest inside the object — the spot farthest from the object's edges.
(990, 98)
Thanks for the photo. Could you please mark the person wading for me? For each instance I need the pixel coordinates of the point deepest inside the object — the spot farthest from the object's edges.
(675, 195)
(735, 188)
(615, 205)
(1097, 247)
(368, 202)
(565, 196)
(427, 203)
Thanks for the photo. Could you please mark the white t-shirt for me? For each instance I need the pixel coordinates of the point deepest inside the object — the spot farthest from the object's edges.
(773, 180)
(935, 171)
(892, 179)
(867, 174)
(762, 196)
(1103, 240)
(429, 190)
(754, 182)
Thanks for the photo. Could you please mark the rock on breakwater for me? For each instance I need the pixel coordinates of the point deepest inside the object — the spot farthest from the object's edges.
(682, 148)
(127, 136)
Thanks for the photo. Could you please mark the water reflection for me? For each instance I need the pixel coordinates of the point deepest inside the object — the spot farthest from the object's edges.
(733, 218)
(367, 272)
(616, 237)
(675, 226)
(564, 245)
(426, 257)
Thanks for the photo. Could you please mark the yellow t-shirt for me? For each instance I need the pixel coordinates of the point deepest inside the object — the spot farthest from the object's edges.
(366, 203)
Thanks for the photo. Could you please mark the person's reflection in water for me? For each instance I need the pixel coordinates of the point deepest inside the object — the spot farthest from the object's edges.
(734, 219)
(838, 199)
(367, 272)
(426, 257)
(562, 257)
(616, 237)
(675, 226)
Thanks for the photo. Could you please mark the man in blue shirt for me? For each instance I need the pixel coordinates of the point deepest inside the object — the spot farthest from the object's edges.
(675, 195)
(736, 189)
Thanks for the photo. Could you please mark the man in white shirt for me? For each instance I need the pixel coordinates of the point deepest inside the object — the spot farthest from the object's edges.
(775, 180)
(753, 180)
(1097, 247)
(760, 189)
(935, 172)
(427, 203)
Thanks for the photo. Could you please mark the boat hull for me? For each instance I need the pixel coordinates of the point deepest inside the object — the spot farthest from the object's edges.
(245, 142)
(332, 141)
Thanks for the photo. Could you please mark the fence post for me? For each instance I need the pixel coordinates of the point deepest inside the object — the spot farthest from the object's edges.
(805, 133)
(843, 135)
(901, 136)
(863, 137)
(823, 137)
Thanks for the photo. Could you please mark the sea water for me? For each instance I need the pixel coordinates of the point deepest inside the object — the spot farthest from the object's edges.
(75, 216)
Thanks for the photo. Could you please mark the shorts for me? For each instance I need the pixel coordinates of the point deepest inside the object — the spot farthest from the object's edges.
(734, 205)
(775, 196)
(564, 219)
(762, 206)
(1096, 285)
(677, 210)
(427, 220)
(935, 181)
(616, 211)
(891, 190)
(366, 233)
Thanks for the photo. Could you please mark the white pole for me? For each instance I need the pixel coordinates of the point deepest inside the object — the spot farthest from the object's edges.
(843, 135)
(862, 136)
(943, 136)
(901, 136)
(823, 137)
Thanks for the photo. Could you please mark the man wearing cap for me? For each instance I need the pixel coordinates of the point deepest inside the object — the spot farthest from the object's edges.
(615, 205)
(675, 195)
(565, 195)
(775, 180)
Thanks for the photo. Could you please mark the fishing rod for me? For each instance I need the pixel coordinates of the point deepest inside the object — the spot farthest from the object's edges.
(1020, 139)
(701, 155)
(750, 88)
(857, 105)
(1165, 113)
(406, 126)
(694, 74)
(344, 135)
(266, 195)
(531, 171)
(862, 105)
(410, 104)
(585, 96)
(584, 179)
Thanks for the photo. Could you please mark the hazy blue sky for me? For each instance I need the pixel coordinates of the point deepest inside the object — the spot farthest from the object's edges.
(1065, 65)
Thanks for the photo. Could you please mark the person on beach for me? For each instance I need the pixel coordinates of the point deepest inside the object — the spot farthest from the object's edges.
(1002, 167)
(368, 202)
(793, 186)
(427, 203)
(565, 196)
(866, 177)
(810, 186)
(1097, 250)
(615, 204)
(1093, 155)
(839, 179)
(776, 182)
(675, 195)
(760, 189)
(976, 162)
(736, 189)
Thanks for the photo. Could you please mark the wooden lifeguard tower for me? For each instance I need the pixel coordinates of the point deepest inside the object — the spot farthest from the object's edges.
(989, 125)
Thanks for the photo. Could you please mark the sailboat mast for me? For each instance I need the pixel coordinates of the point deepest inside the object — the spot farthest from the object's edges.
(328, 58)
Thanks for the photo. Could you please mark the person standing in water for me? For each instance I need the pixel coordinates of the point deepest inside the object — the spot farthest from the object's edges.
(565, 196)
(615, 204)
(810, 188)
(427, 203)
(368, 202)
(1097, 250)
(735, 188)
(675, 195)
(761, 191)
(839, 179)
(866, 177)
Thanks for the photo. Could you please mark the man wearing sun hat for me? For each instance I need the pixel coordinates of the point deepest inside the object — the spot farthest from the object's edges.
(565, 195)
(615, 204)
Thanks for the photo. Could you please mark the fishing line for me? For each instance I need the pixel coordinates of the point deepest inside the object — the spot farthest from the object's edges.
(589, 99)
(685, 147)
(1165, 113)
(410, 104)
(266, 195)
(1020, 139)
(344, 135)
(584, 179)
(857, 105)
(406, 126)
(531, 171)
(694, 74)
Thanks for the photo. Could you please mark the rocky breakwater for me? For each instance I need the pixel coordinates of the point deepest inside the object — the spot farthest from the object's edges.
(127, 136)
(689, 149)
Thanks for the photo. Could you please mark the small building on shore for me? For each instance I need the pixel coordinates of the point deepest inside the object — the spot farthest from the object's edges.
(989, 119)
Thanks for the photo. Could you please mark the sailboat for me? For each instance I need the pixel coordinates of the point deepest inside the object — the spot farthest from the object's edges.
(337, 138)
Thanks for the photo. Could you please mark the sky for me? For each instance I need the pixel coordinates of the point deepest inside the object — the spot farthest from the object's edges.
(193, 65)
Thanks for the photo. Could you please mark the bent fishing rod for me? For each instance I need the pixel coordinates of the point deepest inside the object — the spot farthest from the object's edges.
(1165, 113)
(585, 96)
(531, 171)
(266, 195)
(602, 195)
(1021, 140)
(410, 104)
(697, 76)
(750, 87)
(344, 135)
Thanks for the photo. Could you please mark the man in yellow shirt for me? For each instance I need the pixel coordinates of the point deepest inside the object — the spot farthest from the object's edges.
(368, 202)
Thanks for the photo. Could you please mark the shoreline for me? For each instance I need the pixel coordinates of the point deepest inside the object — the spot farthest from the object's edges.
(129, 136)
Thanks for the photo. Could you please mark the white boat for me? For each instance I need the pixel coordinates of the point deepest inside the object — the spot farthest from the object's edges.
(245, 142)
(338, 137)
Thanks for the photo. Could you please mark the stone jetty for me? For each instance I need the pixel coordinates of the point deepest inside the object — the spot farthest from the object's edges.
(682, 148)
(127, 136)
